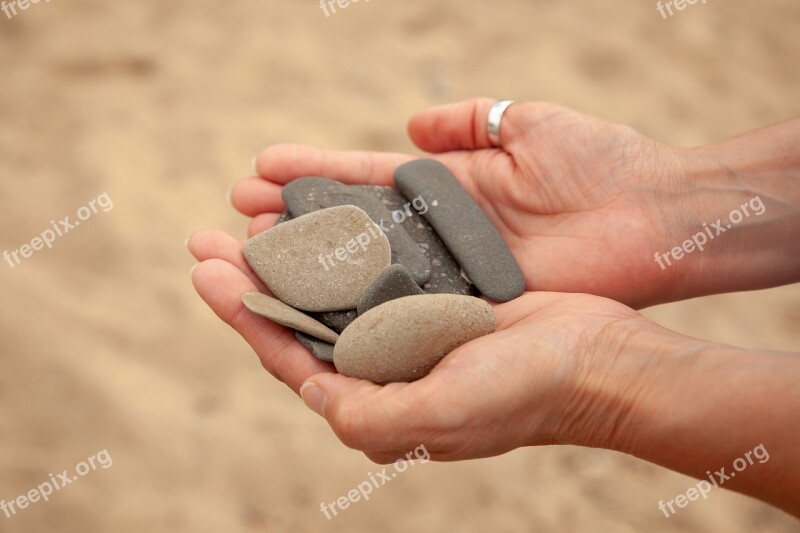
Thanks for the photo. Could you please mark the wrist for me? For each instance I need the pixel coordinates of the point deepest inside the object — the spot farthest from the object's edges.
(613, 379)
(731, 227)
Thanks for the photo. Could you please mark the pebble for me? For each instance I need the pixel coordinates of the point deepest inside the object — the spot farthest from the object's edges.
(320, 349)
(402, 340)
(395, 282)
(282, 314)
(464, 227)
(322, 261)
(309, 194)
(337, 320)
(446, 275)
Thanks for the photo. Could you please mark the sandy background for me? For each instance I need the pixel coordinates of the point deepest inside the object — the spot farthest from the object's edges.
(104, 344)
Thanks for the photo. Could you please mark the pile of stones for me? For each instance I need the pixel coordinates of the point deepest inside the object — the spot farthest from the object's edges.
(383, 282)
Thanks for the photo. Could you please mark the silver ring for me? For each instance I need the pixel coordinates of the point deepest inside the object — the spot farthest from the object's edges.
(495, 118)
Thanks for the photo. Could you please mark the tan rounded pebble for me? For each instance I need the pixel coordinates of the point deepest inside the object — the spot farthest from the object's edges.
(280, 313)
(403, 339)
(322, 261)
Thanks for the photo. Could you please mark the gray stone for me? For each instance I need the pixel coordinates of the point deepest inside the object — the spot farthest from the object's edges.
(394, 283)
(320, 349)
(464, 227)
(402, 340)
(285, 217)
(282, 314)
(323, 261)
(337, 320)
(309, 194)
(446, 275)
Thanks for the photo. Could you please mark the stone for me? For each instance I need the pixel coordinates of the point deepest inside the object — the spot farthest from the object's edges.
(446, 275)
(309, 194)
(323, 261)
(402, 340)
(394, 283)
(464, 227)
(282, 314)
(320, 349)
(284, 217)
(337, 320)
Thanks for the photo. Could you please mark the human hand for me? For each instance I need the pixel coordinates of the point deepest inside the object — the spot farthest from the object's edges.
(583, 204)
(528, 383)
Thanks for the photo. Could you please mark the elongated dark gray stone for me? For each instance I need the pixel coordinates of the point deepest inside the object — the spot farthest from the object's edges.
(309, 194)
(464, 227)
(393, 283)
(446, 275)
(320, 349)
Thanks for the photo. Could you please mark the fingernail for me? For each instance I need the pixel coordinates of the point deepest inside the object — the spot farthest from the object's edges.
(313, 397)
(191, 270)
(186, 242)
(253, 164)
(229, 194)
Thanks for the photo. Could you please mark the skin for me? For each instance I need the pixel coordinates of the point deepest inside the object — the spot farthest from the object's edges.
(584, 205)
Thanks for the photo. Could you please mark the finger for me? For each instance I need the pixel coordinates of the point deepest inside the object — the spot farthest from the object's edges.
(461, 126)
(216, 244)
(253, 196)
(363, 415)
(386, 458)
(285, 162)
(221, 285)
(261, 223)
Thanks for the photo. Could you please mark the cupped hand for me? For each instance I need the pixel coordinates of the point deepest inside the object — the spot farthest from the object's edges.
(583, 204)
(528, 383)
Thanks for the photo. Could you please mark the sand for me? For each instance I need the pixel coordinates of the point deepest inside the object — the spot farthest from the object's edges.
(163, 104)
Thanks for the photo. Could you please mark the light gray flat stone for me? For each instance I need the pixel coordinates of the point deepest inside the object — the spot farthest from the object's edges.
(402, 340)
(464, 227)
(395, 282)
(282, 314)
(309, 194)
(323, 261)
(320, 349)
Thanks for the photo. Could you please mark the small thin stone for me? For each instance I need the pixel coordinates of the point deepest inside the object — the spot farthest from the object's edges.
(288, 316)
(320, 349)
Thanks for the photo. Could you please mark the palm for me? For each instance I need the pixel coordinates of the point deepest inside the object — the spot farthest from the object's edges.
(577, 211)
(574, 197)
(458, 411)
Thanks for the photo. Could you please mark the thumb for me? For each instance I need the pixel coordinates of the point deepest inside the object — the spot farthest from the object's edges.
(363, 415)
(458, 126)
